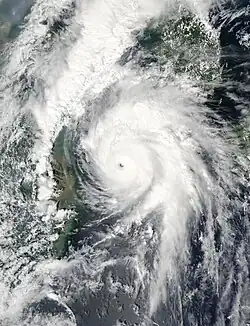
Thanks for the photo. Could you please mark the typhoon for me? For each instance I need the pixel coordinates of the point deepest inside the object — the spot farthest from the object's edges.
(124, 163)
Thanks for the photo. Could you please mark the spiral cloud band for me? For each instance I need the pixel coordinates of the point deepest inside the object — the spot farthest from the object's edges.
(141, 149)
